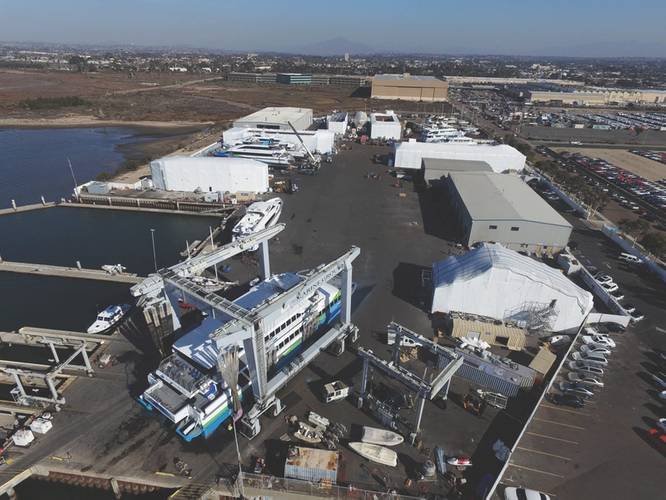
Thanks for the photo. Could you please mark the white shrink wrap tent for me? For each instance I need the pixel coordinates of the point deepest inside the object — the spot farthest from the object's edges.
(500, 283)
(500, 157)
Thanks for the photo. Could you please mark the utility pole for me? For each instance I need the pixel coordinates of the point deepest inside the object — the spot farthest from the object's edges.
(152, 237)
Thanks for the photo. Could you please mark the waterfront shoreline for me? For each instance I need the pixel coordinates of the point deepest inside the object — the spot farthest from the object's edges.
(82, 121)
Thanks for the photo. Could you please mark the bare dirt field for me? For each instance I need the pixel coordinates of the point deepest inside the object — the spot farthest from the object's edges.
(649, 169)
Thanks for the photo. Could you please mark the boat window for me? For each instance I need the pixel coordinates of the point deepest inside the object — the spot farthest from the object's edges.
(515, 228)
(492, 226)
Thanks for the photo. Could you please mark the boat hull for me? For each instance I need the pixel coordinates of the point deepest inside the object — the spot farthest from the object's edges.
(381, 437)
(376, 453)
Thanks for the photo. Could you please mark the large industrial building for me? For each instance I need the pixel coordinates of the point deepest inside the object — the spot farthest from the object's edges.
(209, 174)
(385, 126)
(499, 283)
(599, 97)
(500, 157)
(502, 208)
(408, 87)
(277, 119)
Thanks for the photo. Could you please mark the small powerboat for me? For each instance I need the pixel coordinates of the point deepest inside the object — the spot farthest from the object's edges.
(460, 461)
(307, 433)
(381, 437)
(108, 318)
(375, 453)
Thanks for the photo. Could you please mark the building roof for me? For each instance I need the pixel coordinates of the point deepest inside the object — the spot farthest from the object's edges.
(276, 115)
(490, 196)
(488, 331)
(543, 360)
(499, 283)
(407, 80)
(501, 157)
(311, 458)
(384, 117)
(450, 165)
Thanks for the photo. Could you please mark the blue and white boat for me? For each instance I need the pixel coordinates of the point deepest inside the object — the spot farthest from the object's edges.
(187, 388)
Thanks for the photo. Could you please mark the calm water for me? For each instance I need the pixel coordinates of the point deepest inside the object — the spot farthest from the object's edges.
(33, 162)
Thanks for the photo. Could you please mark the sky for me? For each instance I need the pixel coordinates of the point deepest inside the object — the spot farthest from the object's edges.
(538, 27)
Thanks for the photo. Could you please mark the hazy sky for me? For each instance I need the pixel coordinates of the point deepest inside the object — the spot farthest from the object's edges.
(441, 26)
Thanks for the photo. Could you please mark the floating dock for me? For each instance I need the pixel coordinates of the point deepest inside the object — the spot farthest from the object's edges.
(67, 272)
(27, 208)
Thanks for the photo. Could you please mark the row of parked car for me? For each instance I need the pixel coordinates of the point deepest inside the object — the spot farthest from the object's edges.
(608, 284)
(650, 192)
(585, 369)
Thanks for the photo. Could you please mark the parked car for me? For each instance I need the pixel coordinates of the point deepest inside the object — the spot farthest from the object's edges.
(599, 339)
(636, 316)
(586, 369)
(629, 258)
(577, 389)
(659, 378)
(595, 349)
(610, 287)
(629, 308)
(590, 359)
(603, 278)
(512, 493)
(618, 295)
(567, 400)
(578, 378)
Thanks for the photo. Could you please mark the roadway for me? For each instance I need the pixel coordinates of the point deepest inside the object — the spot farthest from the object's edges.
(602, 450)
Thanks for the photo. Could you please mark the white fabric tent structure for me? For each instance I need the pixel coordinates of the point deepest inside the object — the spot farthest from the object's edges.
(500, 283)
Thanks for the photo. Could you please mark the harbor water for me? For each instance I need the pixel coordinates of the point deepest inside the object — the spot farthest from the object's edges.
(34, 164)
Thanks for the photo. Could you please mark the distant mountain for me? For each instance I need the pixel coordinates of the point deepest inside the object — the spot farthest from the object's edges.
(629, 48)
(333, 47)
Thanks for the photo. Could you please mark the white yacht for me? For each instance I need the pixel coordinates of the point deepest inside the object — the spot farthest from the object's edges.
(108, 318)
(258, 216)
(274, 155)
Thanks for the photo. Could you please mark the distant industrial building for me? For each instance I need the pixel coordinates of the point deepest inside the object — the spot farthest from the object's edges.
(501, 208)
(501, 157)
(252, 77)
(294, 78)
(348, 80)
(408, 87)
(499, 283)
(209, 174)
(385, 126)
(599, 97)
(277, 119)
(338, 122)
(437, 170)
(494, 80)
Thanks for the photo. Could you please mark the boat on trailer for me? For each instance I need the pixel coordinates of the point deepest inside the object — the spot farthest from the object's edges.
(307, 433)
(375, 453)
(381, 437)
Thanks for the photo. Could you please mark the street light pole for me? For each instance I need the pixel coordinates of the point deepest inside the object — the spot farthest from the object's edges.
(152, 237)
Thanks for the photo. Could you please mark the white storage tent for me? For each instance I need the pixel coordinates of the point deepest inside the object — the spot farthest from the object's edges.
(233, 175)
(500, 283)
(385, 126)
(500, 157)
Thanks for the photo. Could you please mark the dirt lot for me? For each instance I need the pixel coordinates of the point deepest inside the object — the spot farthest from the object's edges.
(649, 169)
(591, 136)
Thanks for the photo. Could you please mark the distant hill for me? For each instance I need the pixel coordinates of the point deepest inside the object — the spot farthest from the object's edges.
(333, 47)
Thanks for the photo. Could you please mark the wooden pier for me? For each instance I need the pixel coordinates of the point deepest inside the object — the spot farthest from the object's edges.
(67, 272)
(27, 208)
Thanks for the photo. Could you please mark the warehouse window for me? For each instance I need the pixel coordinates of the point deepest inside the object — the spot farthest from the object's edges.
(492, 226)
(515, 228)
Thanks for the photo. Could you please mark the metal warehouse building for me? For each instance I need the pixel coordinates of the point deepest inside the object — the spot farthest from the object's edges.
(277, 119)
(232, 175)
(407, 87)
(501, 208)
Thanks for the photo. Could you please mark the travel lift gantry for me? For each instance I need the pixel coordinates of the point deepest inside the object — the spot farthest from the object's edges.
(448, 363)
(239, 325)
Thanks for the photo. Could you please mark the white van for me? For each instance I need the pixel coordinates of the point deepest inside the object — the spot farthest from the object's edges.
(629, 258)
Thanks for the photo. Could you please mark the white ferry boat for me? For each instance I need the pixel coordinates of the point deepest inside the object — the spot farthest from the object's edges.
(186, 387)
(274, 155)
(258, 216)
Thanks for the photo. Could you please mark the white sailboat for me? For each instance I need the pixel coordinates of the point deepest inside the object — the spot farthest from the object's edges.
(375, 453)
(381, 437)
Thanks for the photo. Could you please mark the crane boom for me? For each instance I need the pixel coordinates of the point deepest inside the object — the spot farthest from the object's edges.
(312, 158)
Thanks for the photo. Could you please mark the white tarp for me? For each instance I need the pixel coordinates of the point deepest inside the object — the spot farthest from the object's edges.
(209, 174)
(497, 282)
(500, 157)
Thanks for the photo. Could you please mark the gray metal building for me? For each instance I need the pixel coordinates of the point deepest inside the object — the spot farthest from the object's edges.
(501, 208)
(436, 170)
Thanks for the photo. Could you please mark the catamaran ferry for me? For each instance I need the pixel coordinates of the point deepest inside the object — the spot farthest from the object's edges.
(187, 388)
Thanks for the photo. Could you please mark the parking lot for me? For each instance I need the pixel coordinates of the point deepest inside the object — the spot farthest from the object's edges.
(603, 449)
